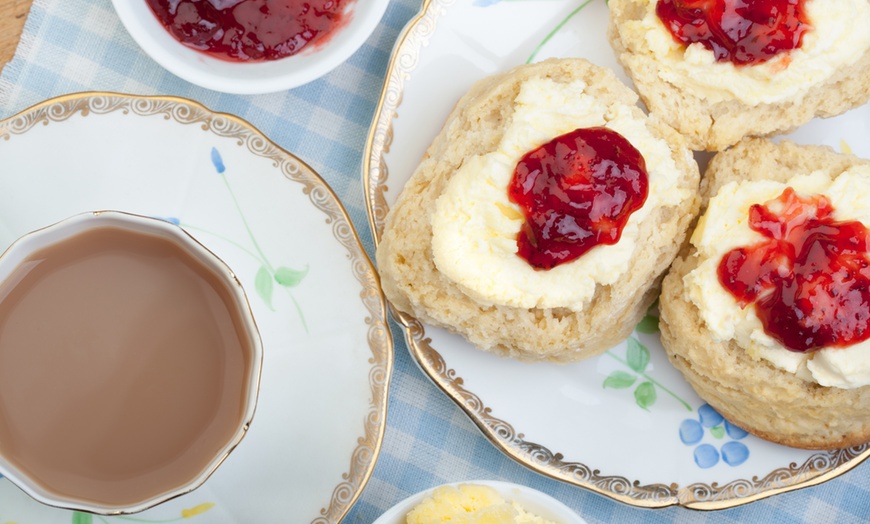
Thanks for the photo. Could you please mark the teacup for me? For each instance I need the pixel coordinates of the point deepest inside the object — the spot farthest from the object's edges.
(129, 363)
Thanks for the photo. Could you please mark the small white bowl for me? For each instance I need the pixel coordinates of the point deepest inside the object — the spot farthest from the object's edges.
(17, 256)
(250, 78)
(531, 500)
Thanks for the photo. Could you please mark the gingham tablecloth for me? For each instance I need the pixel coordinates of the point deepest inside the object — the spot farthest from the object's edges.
(80, 45)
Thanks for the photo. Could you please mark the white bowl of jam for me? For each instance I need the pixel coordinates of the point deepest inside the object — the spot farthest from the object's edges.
(250, 46)
(129, 363)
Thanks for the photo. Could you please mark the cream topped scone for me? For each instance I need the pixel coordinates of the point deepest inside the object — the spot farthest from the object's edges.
(767, 314)
(543, 215)
(726, 227)
(475, 225)
(720, 70)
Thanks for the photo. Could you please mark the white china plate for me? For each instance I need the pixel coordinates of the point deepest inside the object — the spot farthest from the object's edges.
(610, 424)
(327, 351)
(531, 500)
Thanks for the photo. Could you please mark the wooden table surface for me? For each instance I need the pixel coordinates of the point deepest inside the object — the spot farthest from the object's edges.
(12, 16)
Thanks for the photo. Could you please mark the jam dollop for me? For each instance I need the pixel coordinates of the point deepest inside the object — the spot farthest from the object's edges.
(576, 192)
(740, 31)
(809, 279)
(249, 30)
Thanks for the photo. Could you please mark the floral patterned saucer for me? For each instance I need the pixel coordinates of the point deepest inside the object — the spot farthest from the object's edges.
(319, 425)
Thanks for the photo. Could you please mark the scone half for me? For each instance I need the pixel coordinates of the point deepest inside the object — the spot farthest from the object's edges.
(714, 103)
(514, 312)
(809, 400)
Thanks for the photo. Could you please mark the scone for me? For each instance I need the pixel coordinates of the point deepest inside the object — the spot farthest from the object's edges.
(716, 91)
(766, 311)
(453, 251)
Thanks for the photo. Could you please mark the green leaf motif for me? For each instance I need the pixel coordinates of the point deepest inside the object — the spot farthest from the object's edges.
(290, 277)
(717, 431)
(645, 395)
(619, 380)
(637, 355)
(82, 518)
(648, 325)
(263, 285)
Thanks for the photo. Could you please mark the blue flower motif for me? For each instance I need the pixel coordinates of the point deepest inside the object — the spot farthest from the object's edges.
(734, 453)
(484, 3)
(691, 432)
(707, 455)
(734, 432)
(709, 417)
(217, 161)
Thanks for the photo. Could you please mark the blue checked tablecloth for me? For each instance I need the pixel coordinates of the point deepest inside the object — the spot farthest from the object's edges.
(80, 45)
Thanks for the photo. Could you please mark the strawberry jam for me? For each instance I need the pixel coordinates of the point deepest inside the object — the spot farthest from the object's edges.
(809, 279)
(248, 30)
(740, 31)
(576, 192)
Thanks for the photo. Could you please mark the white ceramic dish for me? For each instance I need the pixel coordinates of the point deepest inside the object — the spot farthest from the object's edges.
(23, 247)
(625, 424)
(531, 500)
(327, 349)
(255, 77)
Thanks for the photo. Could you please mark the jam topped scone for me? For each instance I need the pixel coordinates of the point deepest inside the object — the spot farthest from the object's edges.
(768, 313)
(542, 216)
(719, 70)
(743, 33)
